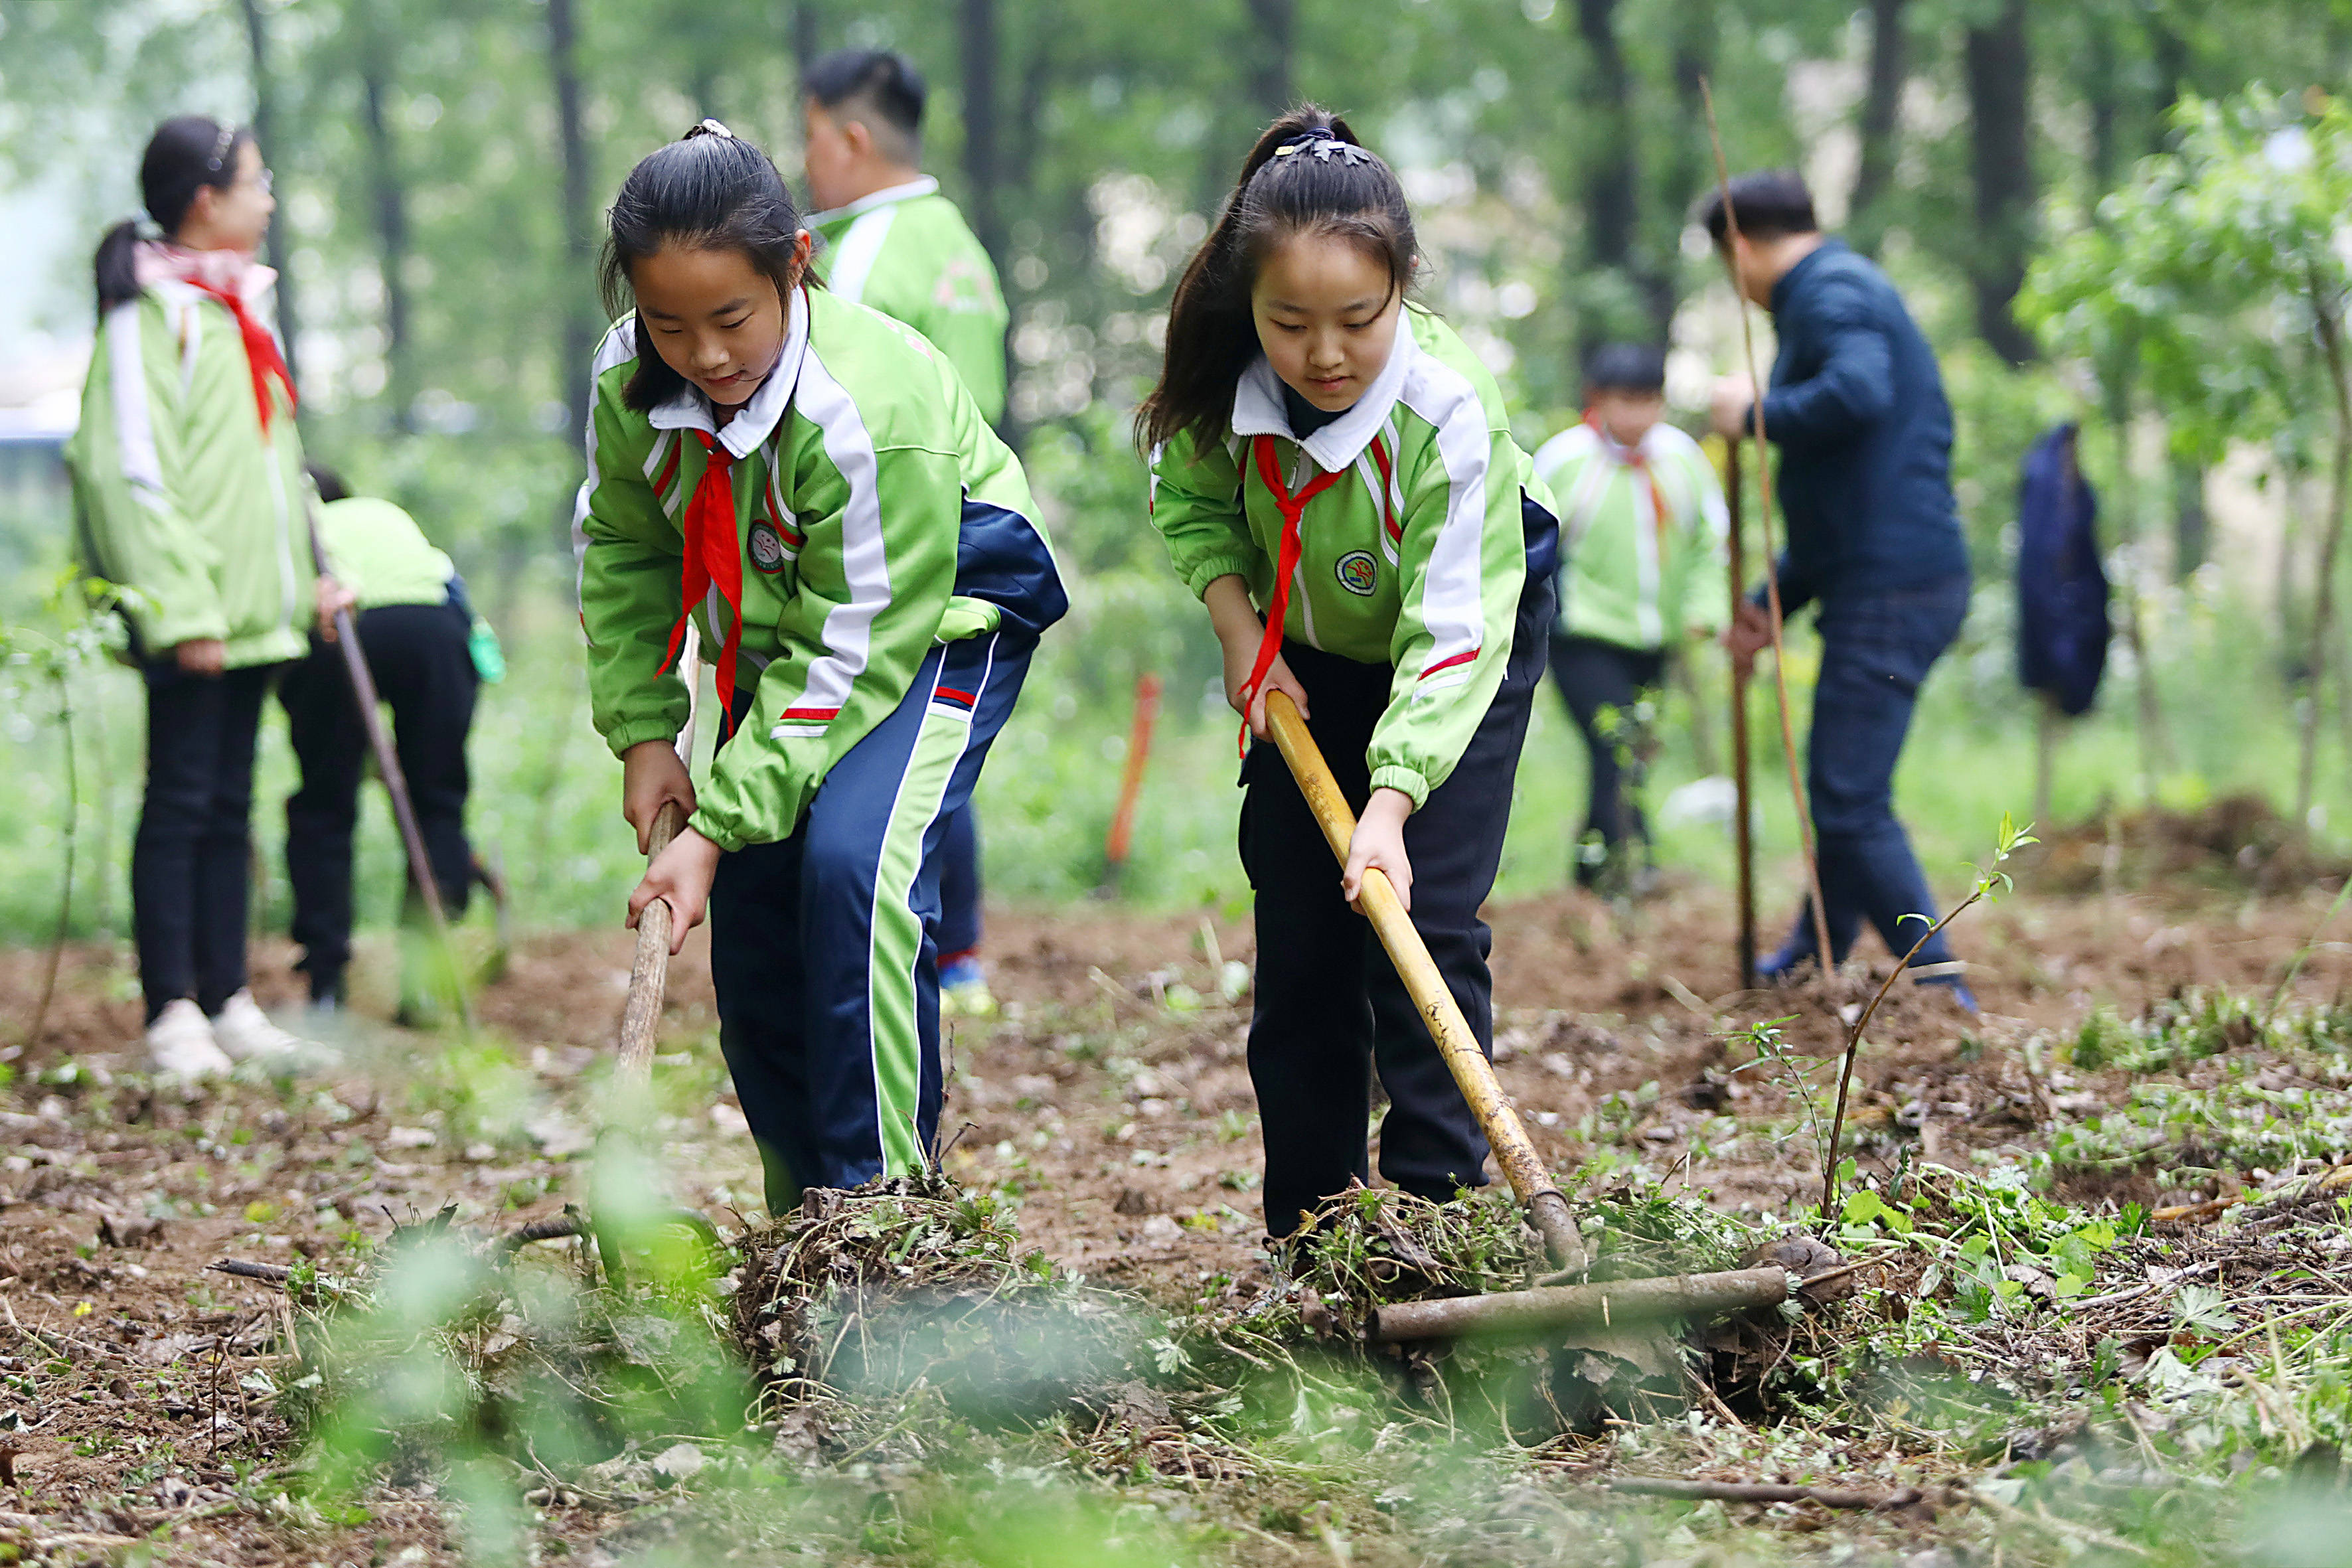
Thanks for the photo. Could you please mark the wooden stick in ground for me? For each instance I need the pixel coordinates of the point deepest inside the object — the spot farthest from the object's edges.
(1761, 1491)
(1547, 1209)
(1743, 829)
(1731, 236)
(1121, 837)
(404, 808)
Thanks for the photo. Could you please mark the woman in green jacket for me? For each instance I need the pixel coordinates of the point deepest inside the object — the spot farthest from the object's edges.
(1334, 476)
(190, 496)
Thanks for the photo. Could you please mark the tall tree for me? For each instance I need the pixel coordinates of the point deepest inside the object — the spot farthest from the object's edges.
(390, 218)
(806, 34)
(1881, 125)
(580, 319)
(1610, 188)
(2000, 69)
(1272, 51)
(982, 164)
(264, 130)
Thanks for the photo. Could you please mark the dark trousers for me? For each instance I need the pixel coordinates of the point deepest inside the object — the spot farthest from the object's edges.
(960, 926)
(418, 657)
(1876, 648)
(1328, 1005)
(191, 865)
(1610, 691)
(824, 945)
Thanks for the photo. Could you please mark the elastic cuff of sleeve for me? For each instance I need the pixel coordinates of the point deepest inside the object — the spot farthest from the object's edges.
(637, 732)
(1397, 776)
(1217, 566)
(701, 823)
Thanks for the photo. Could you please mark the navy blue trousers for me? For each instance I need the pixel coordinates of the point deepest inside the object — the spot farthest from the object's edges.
(1877, 649)
(824, 945)
(960, 924)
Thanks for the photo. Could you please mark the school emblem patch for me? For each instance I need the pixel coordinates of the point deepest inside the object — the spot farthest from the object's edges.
(766, 547)
(1358, 573)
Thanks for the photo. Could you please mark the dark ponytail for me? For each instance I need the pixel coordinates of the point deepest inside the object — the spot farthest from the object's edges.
(186, 153)
(709, 190)
(1351, 195)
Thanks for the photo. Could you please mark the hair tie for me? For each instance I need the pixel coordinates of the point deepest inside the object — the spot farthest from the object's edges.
(1324, 144)
(708, 128)
(226, 139)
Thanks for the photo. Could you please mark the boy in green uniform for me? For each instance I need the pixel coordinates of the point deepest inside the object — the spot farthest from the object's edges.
(1642, 540)
(888, 240)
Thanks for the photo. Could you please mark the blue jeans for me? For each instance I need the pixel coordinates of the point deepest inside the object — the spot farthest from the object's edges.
(1876, 648)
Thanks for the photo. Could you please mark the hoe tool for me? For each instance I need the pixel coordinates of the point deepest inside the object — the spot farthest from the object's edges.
(1595, 1308)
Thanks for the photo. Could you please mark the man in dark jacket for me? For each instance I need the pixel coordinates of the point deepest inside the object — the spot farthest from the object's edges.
(1857, 409)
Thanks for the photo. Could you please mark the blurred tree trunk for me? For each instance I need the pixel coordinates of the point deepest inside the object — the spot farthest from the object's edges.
(2329, 318)
(580, 316)
(806, 48)
(1881, 125)
(2000, 69)
(265, 132)
(1612, 181)
(391, 226)
(2103, 101)
(2191, 529)
(1271, 50)
(983, 169)
(2192, 526)
(1692, 170)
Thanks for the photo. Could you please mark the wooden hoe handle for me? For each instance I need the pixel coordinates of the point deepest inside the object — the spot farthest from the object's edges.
(649, 974)
(1547, 1209)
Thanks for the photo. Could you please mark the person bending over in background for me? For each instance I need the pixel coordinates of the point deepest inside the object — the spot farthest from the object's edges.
(416, 630)
(1857, 409)
(1642, 540)
(189, 494)
(890, 241)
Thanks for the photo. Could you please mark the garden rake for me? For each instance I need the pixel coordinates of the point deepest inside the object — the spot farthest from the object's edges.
(1551, 1305)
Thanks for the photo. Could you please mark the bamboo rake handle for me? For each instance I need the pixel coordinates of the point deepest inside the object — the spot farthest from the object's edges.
(1547, 1209)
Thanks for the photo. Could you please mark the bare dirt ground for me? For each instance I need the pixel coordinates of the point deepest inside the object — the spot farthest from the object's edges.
(1111, 1095)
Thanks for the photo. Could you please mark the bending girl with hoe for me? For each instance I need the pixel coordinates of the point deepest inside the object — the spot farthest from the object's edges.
(1333, 474)
(811, 482)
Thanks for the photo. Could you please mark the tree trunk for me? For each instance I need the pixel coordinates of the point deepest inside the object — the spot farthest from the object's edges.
(2192, 526)
(580, 317)
(1611, 180)
(1881, 125)
(982, 168)
(265, 132)
(1999, 77)
(2323, 613)
(2170, 52)
(806, 48)
(2153, 747)
(1696, 34)
(391, 228)
(2102, 99)
(1271, 51)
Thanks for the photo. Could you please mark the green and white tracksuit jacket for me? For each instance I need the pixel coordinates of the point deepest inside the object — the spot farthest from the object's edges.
(860, 466)
(1641, 536)
(908, 252)
(179, 493)
(1414, 558)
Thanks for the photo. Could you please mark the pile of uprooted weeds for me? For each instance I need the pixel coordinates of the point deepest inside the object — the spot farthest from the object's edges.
(913, 1282)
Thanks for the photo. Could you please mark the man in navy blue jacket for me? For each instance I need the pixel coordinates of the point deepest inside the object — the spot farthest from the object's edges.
(1857, 409)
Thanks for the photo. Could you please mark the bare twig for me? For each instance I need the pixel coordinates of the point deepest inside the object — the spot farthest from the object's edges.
(1762, 1491)
(65, 892)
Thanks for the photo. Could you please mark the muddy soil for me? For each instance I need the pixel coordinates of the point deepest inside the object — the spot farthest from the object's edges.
(1111, 1094)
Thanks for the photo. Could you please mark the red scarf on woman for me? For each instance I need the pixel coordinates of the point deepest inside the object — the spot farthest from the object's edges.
(238, 282)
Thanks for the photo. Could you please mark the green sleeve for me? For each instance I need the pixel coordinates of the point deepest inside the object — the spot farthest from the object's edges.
(1704, 544)
(130, 463)
(853, 636)
(1196, 505)
(631, 556)
(973, 342)
(1464, 562)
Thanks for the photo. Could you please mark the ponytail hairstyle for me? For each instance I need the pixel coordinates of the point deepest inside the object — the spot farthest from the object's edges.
(1308, 175)
(710, 190)
(187, 153)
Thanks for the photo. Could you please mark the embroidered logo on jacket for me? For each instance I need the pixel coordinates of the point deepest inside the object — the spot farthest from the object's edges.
(1358, 573)
(766, 547)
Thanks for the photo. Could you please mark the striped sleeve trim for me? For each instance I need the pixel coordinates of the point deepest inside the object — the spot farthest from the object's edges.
(1453, 601)
(848, 630)
(134, 423)
(861, 247)
(619, 347)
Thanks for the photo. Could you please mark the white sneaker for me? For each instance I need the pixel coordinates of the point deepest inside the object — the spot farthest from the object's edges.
(180, 1041)
(245, 1033)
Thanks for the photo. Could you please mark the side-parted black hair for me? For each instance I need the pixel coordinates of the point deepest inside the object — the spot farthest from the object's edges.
(186, 153)
(1771, 204)
(709, 190)
(1354, 196)
(330, 483)
(882, 81)
(1627, 367)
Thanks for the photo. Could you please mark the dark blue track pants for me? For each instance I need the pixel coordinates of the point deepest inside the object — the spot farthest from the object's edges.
(825, 946)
